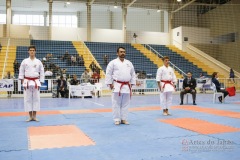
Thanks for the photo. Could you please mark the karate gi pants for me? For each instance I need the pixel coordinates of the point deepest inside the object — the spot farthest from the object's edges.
(166, 99)
(31, 99)
(120, 106)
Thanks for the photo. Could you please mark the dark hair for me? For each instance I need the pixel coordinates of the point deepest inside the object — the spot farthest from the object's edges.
(214, 74)
(121, 48)
(165, 57)
(32, 46)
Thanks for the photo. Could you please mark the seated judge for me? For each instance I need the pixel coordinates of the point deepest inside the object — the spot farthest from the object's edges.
(62, 87)
(218, 86)
(189, 85)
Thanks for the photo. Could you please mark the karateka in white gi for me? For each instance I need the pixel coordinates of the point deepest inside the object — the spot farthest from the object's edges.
(166, 80)
(120, 76)
(31, 74)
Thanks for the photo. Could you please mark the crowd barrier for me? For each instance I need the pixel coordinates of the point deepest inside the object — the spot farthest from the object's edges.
(144, 86)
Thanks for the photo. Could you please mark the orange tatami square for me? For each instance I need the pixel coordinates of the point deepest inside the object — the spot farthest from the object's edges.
(199, 126)
(57, 137)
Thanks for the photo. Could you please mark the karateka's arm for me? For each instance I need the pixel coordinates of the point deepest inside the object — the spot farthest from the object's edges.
(133, 76)
(21, 71)
(158, 78)
(41, 71)
(109, 73)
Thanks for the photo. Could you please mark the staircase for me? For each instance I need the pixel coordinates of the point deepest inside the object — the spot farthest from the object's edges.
(87, 55)
(9, 61)
(152, 57)
(195, 61)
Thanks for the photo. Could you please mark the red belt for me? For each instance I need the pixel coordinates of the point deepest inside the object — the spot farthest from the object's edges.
(167, 82)
(124, 83)
(32, 79)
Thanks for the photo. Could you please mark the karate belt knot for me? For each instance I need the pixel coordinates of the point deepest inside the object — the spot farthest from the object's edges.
(32, 79)
(167, 82)
(124, 83)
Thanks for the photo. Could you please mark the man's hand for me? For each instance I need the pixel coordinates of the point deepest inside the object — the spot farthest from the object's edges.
(187, 88)
(111, 86)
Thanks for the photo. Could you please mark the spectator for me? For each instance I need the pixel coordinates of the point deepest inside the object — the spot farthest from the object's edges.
(85, 76)
(189, 85)
(65, 56)
(135, 37)
(0, 47)
(62, 87)
(74, 80)
(93, 66)
(73, 60)
(218, 86)
(105, 59)
(141, 75)
(95, 77)
(64, 73)
(232, 75)
(16, 66)
(9, 76)
(201, 75)
(48, 73)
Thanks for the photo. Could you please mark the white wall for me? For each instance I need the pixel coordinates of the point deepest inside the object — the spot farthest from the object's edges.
(177, 37)
(194, 35)
(19, 31)
(66, 34)
(149, 37)
(107, 35)
(39, 32)
(1, 30)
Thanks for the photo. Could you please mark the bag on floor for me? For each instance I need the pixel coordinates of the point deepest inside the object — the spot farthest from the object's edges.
(231, 91)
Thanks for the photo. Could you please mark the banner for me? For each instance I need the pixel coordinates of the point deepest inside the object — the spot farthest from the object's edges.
(151, 84)
(81, 90)
(6, 85)
(140, 84)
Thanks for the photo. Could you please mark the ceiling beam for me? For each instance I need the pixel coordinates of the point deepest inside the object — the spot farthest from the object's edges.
(185, 5)
(129, 5)
(92, 1)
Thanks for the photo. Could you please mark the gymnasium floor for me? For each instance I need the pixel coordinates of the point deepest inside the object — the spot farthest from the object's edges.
(82, 129)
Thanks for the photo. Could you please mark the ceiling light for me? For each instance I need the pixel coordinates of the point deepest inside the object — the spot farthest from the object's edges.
(179, 0)
(115, 5)
(68, 3)
(158, 10)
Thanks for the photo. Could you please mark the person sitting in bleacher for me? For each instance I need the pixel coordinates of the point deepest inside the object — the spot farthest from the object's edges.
(85, 76)
(62, 87)
(16, 66)
(95, 76)
(218, 86)
(93, 66)
(74, 80)
(189, 85)
(65, 56)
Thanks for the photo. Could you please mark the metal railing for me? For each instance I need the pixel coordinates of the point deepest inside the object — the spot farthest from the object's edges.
(160, 55)
(6, 56)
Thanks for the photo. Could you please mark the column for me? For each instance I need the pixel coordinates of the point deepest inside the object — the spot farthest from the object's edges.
(162, 21)
(124, 23)
(50, 3)
(8, 18)
(170, 21)
(45, 18)
(89, 22)
(78, 19)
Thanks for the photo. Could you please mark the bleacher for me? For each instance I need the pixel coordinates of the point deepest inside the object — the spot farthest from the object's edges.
(179, 61)
(140, 62)
(57, 48)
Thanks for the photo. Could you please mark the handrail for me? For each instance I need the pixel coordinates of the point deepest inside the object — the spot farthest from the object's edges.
(6, 56)
(157, 53)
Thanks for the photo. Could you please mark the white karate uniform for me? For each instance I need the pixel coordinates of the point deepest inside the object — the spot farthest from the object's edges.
(124, 72)
(31, 69)
(166, 74)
